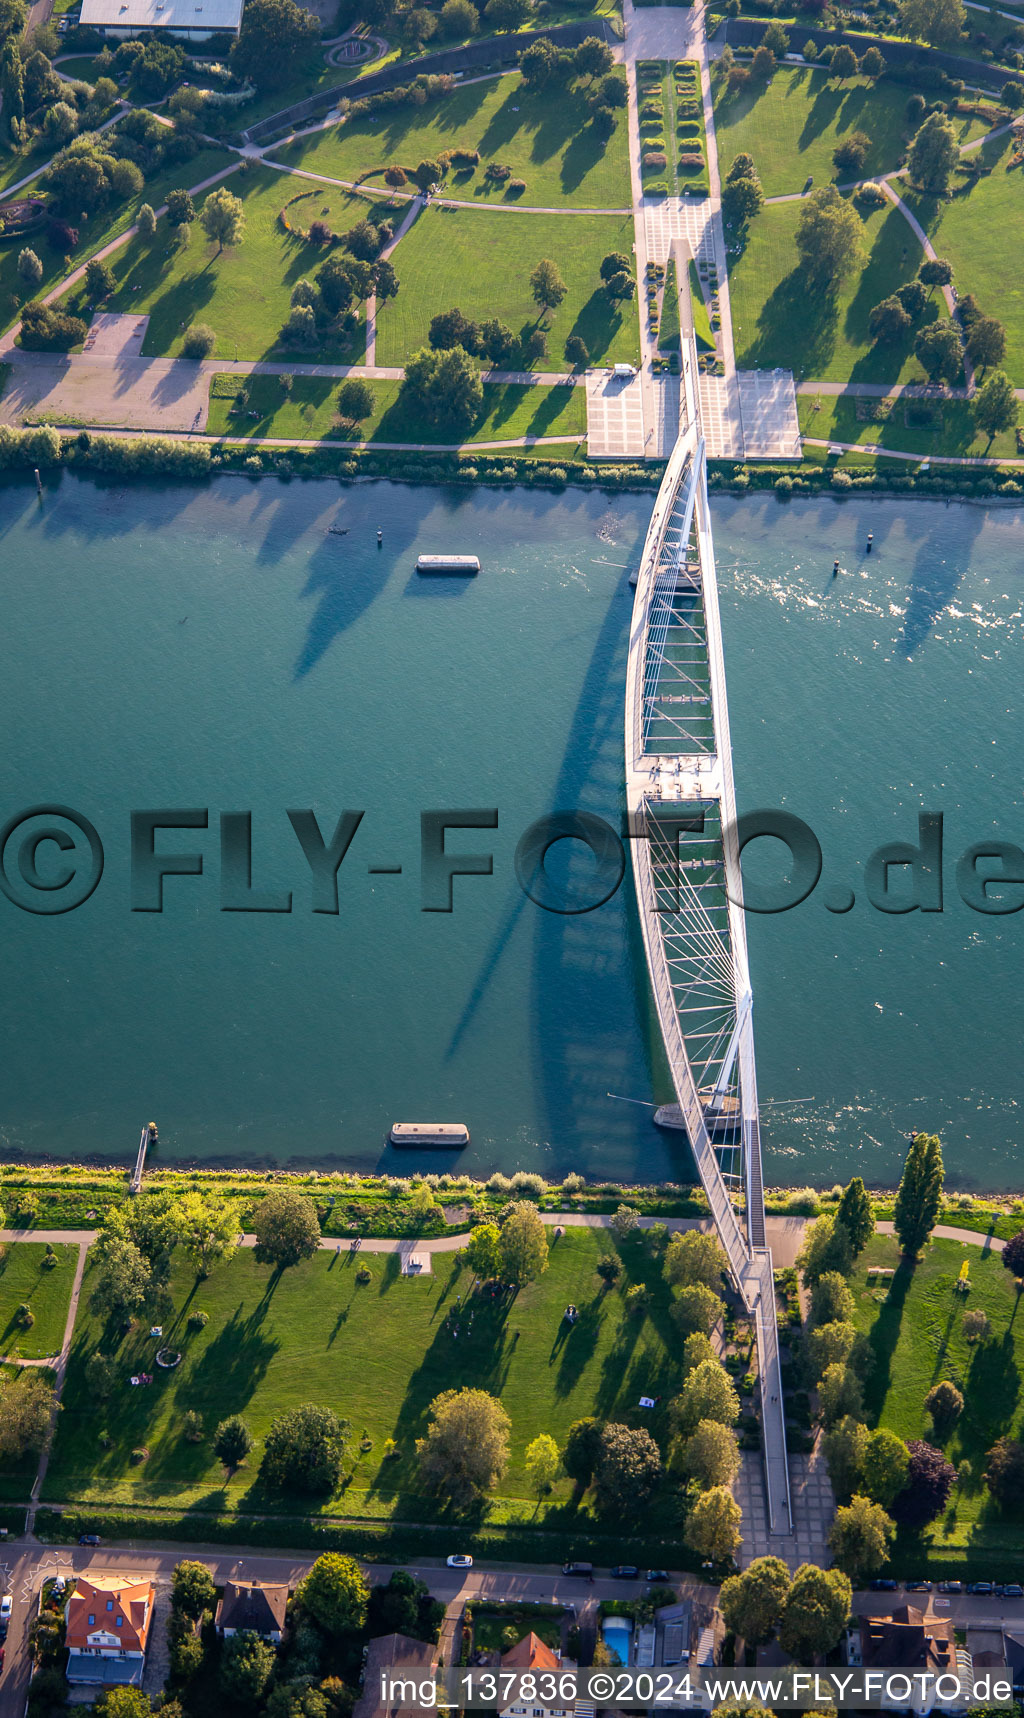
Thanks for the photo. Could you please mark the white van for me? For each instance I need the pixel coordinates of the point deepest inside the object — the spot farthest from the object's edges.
(623, 370)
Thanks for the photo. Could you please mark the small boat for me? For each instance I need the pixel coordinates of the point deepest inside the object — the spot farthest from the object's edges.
(465, 564)
(723, 1124)
(448, 1133)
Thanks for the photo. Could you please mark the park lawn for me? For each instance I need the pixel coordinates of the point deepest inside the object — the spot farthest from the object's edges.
(245, 292)
(309, 411)
(914, 1326)
(95, 232)
(549, 143)
(48, 1292)
(17, 1475)
(978, 230)
(482, 259)
(792, 126)
(17, 164)
(777, 322)
(952, 433)
(378, 1354)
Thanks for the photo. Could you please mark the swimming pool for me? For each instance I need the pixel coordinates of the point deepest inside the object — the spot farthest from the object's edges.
(616, 1632)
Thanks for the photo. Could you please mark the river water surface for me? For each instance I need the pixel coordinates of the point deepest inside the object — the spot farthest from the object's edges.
(217, 649)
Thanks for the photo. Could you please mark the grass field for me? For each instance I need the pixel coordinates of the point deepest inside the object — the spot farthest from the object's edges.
(792, 126)
(481, 260)
(550, 144)
(916, 1335)
(978, 231)
(17, 164)
(48, 1292)
(16, 1476)
(776, 321)
(244, 294)
(309, 410)
(952, 432)
(97, 231)
(378, 1354)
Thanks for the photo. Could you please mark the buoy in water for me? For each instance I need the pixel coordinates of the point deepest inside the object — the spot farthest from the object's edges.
(870, 542)
(380, 538)
(835, 569)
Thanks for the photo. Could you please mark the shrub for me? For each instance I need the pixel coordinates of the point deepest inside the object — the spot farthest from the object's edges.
(654, 160)
(198, 1320)
(199, 341)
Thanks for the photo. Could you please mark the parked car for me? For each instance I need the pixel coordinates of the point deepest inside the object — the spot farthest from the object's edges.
(584, 1569)
(460, 1560)
(625, 1572)
(979, 1586)
(884, 1585)
(1013, 1590)
(659, 1577)
(918, 1586)
(951, 1586)
(88, 1539)
(6, 1607)
(3, 1650)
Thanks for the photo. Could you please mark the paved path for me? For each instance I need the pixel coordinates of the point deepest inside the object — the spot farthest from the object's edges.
(375, 192)
(415, 209)
(914, 458)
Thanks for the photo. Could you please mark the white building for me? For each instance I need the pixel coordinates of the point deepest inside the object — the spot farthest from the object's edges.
(190, 20)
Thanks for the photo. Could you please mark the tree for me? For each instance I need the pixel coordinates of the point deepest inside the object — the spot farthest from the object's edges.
(851, 152)
(839, 1393)
(762, 66)
(385, 280)
(742, 199)
(845, 1446)
(542, 1463)
(935, 271)
(986, 342)
(287, 1228)
(465, 1451)
(123, 1703)
(576, 352)
(695, 1256)
(459, 18)
(246, 1663)
(301, 325)
(145, 220)
(539, 63)
(628, 1469)
(930, 1479)
(30, 269)
(621, 286)
(920, 1189)
(1013, 1251)
(482, 1250)
(859, 1538)
(712, 1455)
(450, 328)
(122, 1274)
(101, 1374)
(613, 263)
(403, 1606)
(707, 1394)
(697, 1308)
(752, 1603)
(428, 173)
(854, 1214)
(815, 1612)
(945, 1404)
(913, 296)
(303, 1449)
(940, 23)
(419, 25)
(776, 39)
(872, 64)
(843, 63)
(547, 286)
(831, 1300)
(192, 1589)
(208, 1228)
(828, 238)
(223, 216)
(885, 1467)
(713, 1525)
(524, 1243)
(395, 177)
(613, 91)
(335, 1593)
(1004, 1472)
(26, 1408)
(582, 1450)
(445, 385)
(826, 1247)
(181, 211)
(1012, 94)
(498, 342)
(232, 1441)
(507, 14)
(827, 1345)
(593, 58)
(976, 1326)
(933, 154)
(355, 402)
(274, 37)
(61, 122)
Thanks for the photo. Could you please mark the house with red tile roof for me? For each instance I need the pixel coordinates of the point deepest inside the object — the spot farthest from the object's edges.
(108, 1622)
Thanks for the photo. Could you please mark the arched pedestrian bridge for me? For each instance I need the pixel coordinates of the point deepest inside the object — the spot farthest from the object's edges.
(682, 813)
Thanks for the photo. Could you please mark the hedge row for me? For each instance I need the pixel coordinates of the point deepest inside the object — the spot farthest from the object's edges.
(384, 1542)
(811, 479)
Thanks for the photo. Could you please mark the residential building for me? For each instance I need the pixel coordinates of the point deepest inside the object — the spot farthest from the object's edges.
(108, 1622)
(911, 1642)
(252, 1607)
(531, 1654)
(417, 1658)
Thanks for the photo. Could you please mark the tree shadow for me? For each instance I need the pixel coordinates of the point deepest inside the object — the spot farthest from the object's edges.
(884, 1336)
(578, 1346)
(993, 1389)
(796, 329)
